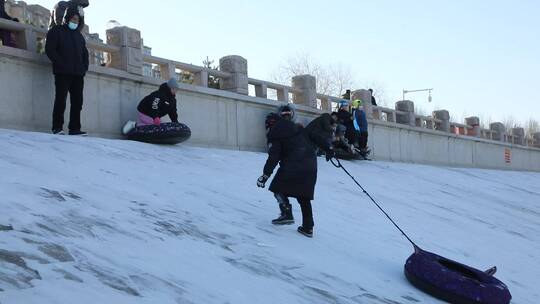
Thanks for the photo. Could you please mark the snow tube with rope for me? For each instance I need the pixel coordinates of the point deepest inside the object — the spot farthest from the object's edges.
(167, 133)
(454, 282)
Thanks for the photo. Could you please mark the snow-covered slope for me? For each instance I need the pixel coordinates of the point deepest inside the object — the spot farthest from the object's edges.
(104, 221)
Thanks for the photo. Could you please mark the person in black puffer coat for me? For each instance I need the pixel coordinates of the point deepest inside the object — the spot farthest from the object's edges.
(66, 48)
(321, 132)
(290, 147)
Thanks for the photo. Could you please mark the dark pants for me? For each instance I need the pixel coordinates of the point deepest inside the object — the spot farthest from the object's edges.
(363, 140)
(305, 206)
(7, 38)
(73, 85)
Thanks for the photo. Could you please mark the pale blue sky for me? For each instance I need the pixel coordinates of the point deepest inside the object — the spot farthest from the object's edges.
(481, 57)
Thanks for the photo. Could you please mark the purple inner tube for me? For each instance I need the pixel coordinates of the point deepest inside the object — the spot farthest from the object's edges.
(454, 282)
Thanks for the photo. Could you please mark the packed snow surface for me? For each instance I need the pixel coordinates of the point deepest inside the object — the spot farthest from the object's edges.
(85, 220)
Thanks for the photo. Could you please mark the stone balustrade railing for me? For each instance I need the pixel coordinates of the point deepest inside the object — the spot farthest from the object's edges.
(124, 51)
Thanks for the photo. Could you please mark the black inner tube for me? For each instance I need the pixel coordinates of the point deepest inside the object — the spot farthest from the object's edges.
(460, 269)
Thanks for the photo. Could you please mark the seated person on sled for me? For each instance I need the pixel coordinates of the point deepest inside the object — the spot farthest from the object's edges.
(351, 132)
(156, 105)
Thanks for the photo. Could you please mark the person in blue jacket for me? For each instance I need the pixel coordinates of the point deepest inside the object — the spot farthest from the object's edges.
(361, 126)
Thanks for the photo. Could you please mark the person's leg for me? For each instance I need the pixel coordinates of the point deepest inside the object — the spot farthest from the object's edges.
(286, 216)
(144, 120)
(363, 140)
(307, 218)
(62, 84)
(307, 213)
(76, 96)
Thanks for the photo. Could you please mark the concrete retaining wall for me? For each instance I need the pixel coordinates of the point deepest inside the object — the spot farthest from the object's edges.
(223, 119)
(402, 143)
(217, 118)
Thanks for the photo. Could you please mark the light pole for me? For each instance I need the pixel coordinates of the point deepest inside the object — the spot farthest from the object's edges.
(430, 99)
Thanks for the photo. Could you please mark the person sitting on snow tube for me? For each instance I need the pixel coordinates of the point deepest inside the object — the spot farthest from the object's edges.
(342, 148)
(345, 119)
(156, 105)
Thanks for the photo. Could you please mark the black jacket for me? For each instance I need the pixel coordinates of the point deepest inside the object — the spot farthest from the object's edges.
(297, 173)
(67, 49)
(3, 14)
(321, 131)
(159, 104)
(373, 100)
(345, 118)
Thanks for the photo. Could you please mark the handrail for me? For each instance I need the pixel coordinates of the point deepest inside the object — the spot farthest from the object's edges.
(185, 66)
(273, 85)
(100, 46)
(329, 98)
(14, 26)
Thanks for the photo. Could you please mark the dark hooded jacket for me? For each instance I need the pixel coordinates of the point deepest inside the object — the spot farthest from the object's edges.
(5, 36)
(160, 103)
(321, 131)
(345, 118)
(59, 11)
(3, 14)
(67, 48)
(297, 173)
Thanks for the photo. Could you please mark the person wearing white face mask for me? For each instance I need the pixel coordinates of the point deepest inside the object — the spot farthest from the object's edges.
(59, 11)
(66, 48)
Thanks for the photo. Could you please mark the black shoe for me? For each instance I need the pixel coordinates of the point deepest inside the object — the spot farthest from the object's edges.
(77, 133)
(58, 132)
(306, 231)
(286, 217)
(283, 220)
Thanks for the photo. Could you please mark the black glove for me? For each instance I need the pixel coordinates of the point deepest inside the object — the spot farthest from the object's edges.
(330, 154)
(261, 182)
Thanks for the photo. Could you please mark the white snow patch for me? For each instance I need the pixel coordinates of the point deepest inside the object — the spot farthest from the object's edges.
(108, 221)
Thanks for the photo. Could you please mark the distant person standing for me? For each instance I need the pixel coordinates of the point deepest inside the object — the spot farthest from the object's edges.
(373, 100)
(66, 48)
(5, 35)
(347, 95)
(361, 127)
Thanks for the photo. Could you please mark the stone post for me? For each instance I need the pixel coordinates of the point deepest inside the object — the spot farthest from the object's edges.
(365, 96)
(499, 129)
(536, 139)
(407, 118)
(473, 122)
(326, 104)
(519, 134)
(444, 117)
(261, 90)
(130, 57)
(168, 71)
(30, 40)
(238, 67)
(307, 85)
(201, 78)
(283, 95)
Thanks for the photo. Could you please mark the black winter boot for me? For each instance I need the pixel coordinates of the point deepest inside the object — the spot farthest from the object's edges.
(286, 217)
(306, 231)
